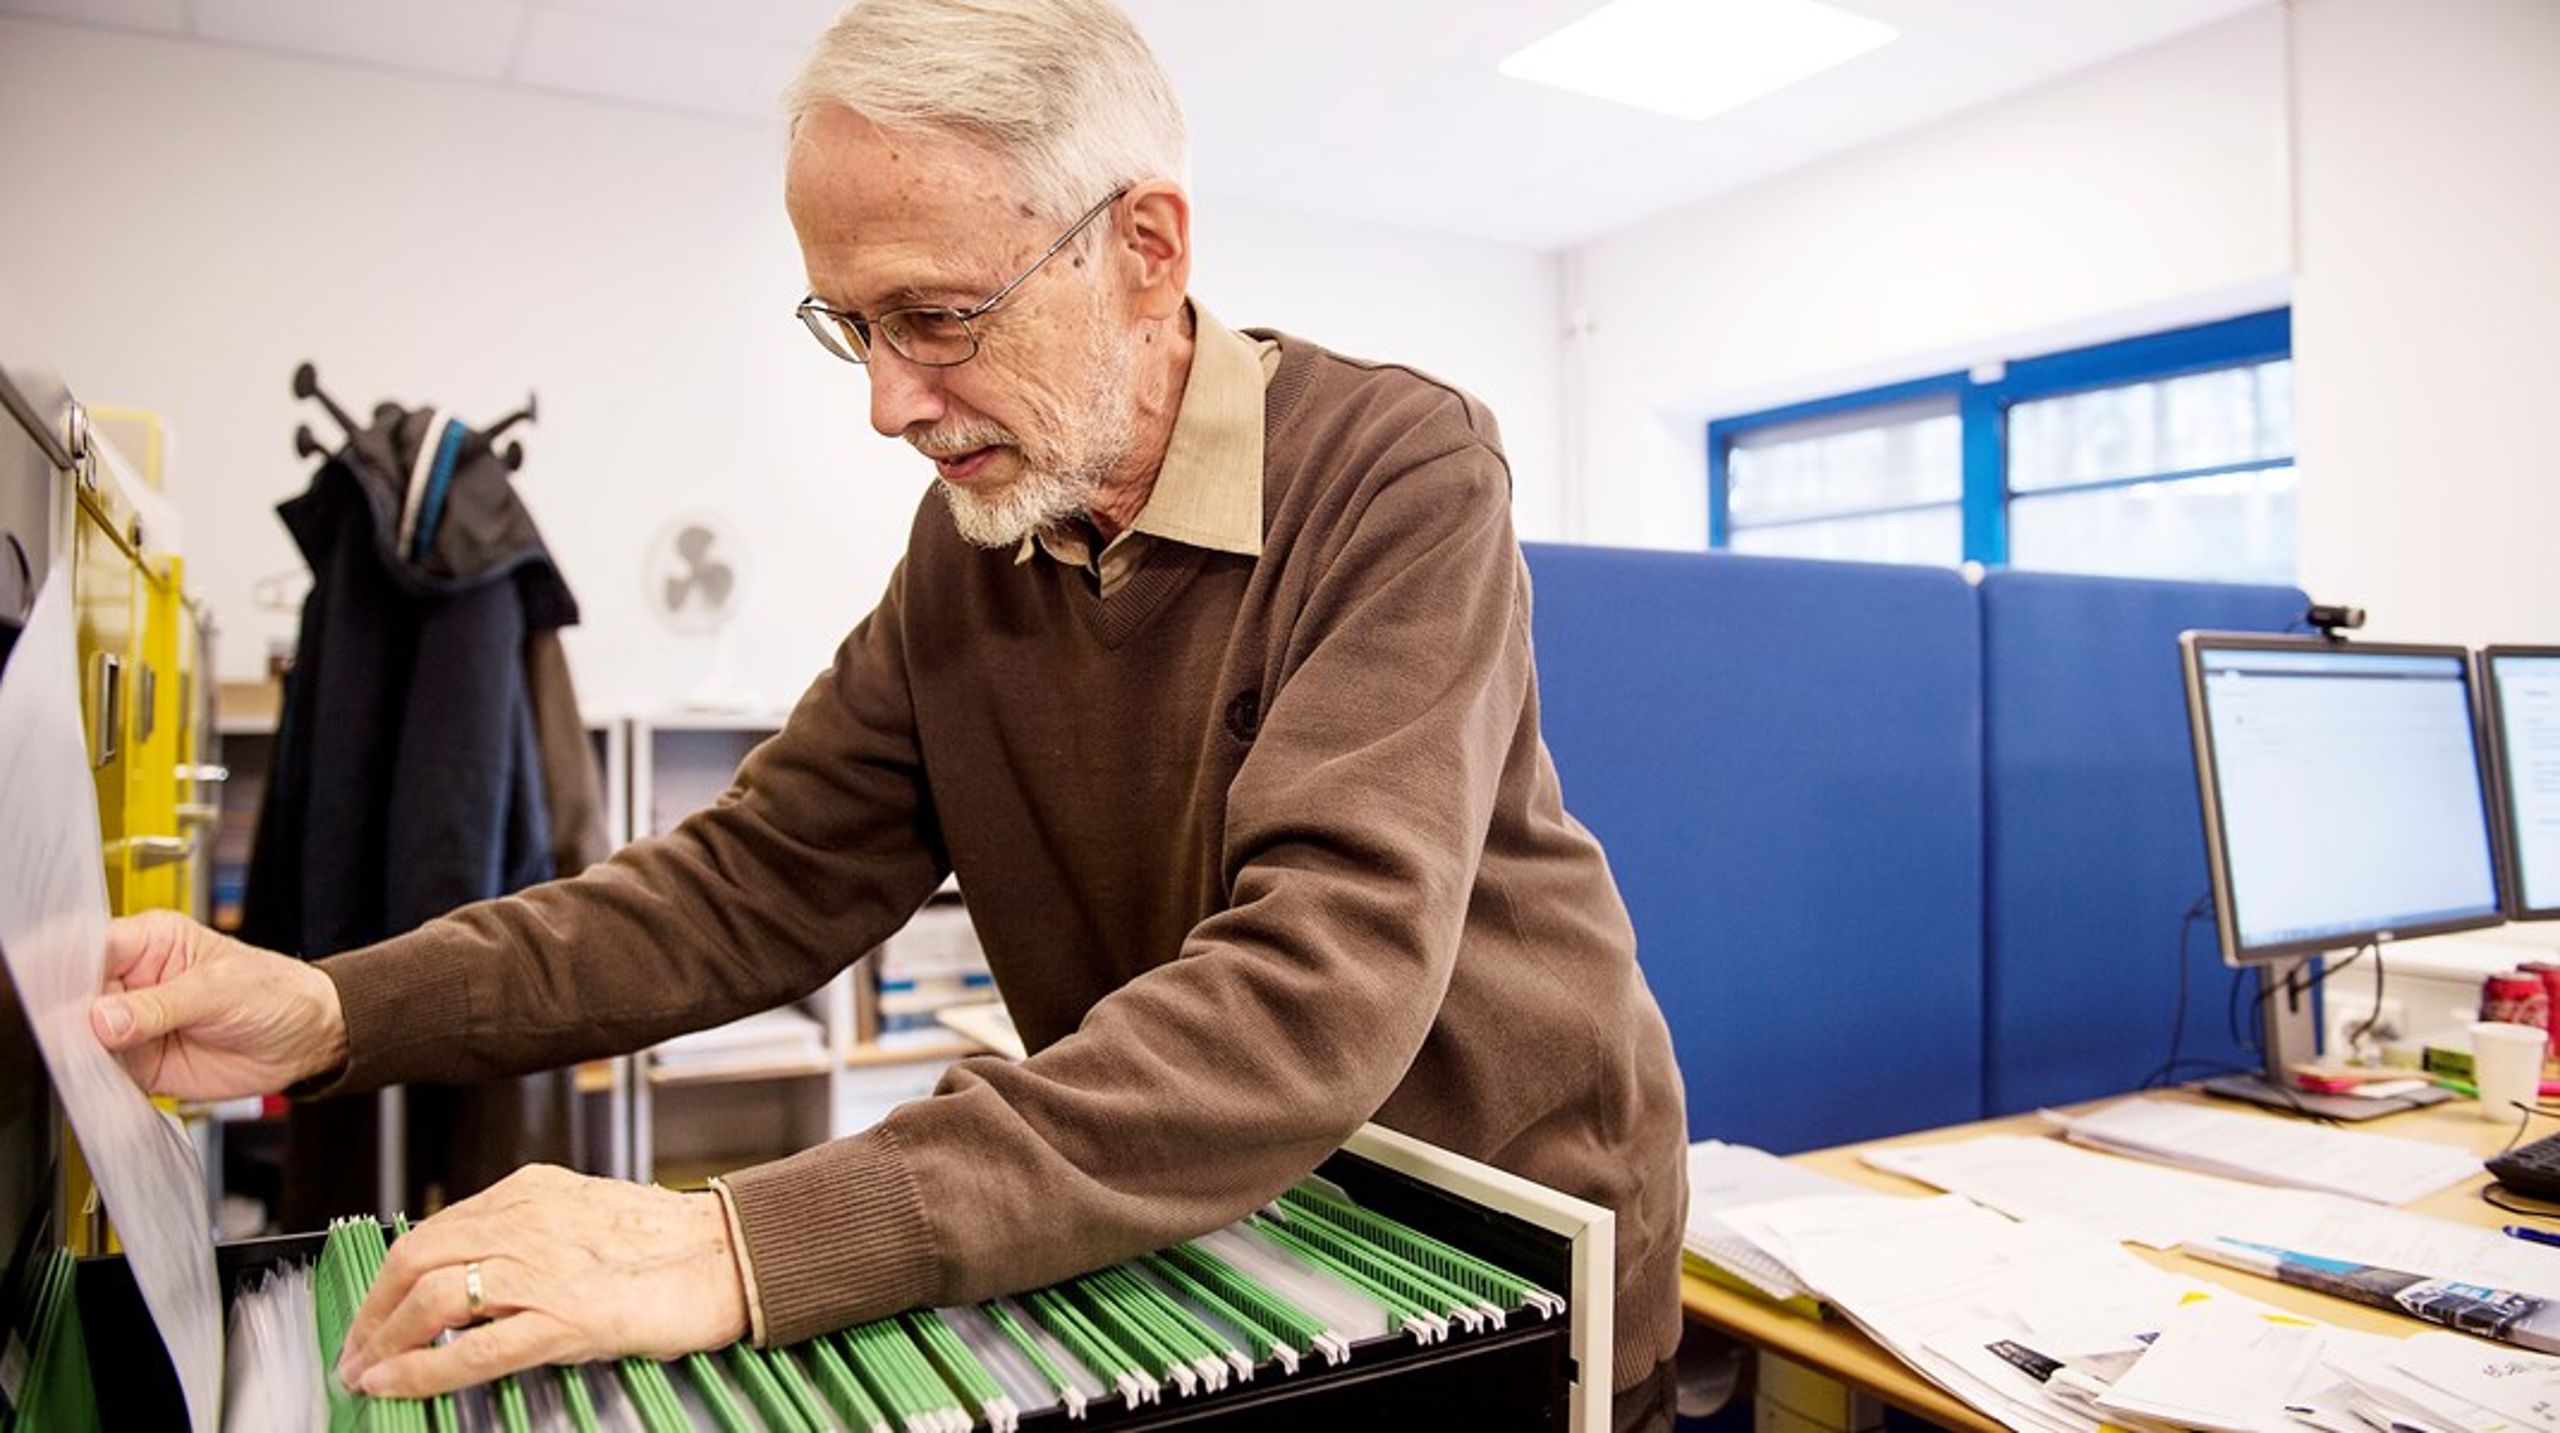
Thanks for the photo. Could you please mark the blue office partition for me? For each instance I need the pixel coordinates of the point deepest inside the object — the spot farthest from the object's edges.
(1783, 759)
(2096, 848)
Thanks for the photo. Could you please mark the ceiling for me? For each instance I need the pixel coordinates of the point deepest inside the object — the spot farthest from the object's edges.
(1388, 111)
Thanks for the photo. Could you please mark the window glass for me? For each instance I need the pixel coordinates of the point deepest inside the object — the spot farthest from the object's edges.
(1901, 455)
(2169, 454)
(2227, 527)
(2171, 425)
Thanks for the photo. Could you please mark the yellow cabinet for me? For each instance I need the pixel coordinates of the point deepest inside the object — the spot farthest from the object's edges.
(141, 651)
(141, 654)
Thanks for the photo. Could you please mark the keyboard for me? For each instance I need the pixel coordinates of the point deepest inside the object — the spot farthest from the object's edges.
(2531, 1169)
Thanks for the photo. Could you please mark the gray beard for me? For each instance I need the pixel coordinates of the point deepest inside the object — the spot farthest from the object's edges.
(1063, 481)
(1040, 497)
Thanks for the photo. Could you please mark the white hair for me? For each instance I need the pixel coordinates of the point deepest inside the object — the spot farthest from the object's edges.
(1064, 90)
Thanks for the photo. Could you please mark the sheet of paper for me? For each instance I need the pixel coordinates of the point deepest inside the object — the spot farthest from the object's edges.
(1926, 1278)
(2217, 1368)
(2334, 1228)
(2382, 1169)
(53, 932)
(2507, 1381)
(2382, 1395)
(1726, 1177)
(2033, 1178)
(2033, 1372)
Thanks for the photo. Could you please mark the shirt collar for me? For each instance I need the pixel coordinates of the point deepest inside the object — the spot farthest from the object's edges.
(1209, 491)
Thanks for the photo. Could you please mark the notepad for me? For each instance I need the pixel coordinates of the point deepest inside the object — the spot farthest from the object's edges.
(1726, 1177)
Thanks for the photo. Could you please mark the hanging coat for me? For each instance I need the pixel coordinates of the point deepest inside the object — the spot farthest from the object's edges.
(409, 778)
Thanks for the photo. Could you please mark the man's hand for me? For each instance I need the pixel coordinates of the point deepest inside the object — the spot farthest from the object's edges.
(198, 1015)
(570, 1269)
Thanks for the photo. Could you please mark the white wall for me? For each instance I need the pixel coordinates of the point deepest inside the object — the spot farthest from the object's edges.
(2427, 316)
(1478, 314)
(188, 223)
(2138, 195)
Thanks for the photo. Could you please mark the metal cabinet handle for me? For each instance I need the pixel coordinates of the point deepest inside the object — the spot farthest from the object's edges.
(148, 852)
(75, 441)
(199, 813)
(204, 774)
(106, 706)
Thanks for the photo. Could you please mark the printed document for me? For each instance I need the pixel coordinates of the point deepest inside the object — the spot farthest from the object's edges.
(2028, 1177)
(2381, 1169)
(1724, 1178)
(53, 933)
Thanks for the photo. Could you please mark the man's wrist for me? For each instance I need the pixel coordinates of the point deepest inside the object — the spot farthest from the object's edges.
(744, 1267)
(329, 1019)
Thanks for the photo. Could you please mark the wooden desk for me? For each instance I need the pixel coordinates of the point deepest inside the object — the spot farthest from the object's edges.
(1836, 1349)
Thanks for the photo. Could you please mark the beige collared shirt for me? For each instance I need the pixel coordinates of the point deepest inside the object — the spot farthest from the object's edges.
(1209, 491)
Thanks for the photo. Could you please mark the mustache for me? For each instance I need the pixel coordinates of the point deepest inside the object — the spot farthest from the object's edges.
(958, 438)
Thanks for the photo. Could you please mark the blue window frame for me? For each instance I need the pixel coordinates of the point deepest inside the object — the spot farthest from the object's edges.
(2181, 438)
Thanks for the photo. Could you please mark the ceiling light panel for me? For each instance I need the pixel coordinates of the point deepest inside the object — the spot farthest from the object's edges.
(1694, 58)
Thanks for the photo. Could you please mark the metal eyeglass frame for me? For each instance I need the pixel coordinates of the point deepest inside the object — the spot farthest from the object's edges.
(848, 335)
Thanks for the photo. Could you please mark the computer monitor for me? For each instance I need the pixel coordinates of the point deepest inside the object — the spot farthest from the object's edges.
(2345, 797)
(2522, 688)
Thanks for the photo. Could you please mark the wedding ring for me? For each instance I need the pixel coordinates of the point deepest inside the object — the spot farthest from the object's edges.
(473, 1301)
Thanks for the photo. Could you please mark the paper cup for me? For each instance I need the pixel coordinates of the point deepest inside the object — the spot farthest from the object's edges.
(2506, 1063)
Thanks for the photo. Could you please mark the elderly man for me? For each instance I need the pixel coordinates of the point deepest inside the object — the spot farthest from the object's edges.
(1208, 673)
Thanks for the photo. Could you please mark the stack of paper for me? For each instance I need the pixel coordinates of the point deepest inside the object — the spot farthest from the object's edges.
(782, 1037)
(2341, 1229)
(2027, 1321)
(1724, 1178)
(2235, 1368)
(2225, 1366)
(2031, 1178)
(2382, 1169)
(2443, 1380)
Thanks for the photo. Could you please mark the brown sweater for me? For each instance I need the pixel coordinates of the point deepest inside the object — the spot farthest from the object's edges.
(1259, 849)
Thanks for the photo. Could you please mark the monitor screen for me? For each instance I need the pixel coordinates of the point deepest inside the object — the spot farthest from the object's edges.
(2524, 731)
(2344, 792)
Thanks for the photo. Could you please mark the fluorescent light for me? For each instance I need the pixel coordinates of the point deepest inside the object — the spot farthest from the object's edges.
(1695, 58)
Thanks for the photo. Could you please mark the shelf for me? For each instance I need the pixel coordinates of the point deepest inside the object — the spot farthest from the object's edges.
(869, 1054)
(709, 1073)
(247, 708)
(764, 722)
(987, 1023)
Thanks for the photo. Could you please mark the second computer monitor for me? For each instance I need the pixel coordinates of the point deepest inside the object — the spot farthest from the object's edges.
(2344, 792)
(2523, 690)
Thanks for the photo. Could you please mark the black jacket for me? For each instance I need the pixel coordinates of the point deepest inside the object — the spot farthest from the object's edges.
(408, 777)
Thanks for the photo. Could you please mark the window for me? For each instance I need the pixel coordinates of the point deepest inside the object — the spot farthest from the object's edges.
(2170, 455)
(1883, 482)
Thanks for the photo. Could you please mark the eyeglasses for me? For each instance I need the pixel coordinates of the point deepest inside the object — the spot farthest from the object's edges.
(927, 336)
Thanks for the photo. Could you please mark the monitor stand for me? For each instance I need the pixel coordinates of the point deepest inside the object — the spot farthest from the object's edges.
(2289, 1032)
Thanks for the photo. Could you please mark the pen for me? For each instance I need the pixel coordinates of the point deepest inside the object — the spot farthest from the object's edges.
(2530, 1235)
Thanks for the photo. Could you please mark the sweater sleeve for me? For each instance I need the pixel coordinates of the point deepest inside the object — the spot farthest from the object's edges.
(1202, 1088)
(822, 847)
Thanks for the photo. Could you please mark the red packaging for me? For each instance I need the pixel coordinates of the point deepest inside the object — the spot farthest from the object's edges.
(2516, 997)
(2550, 973)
